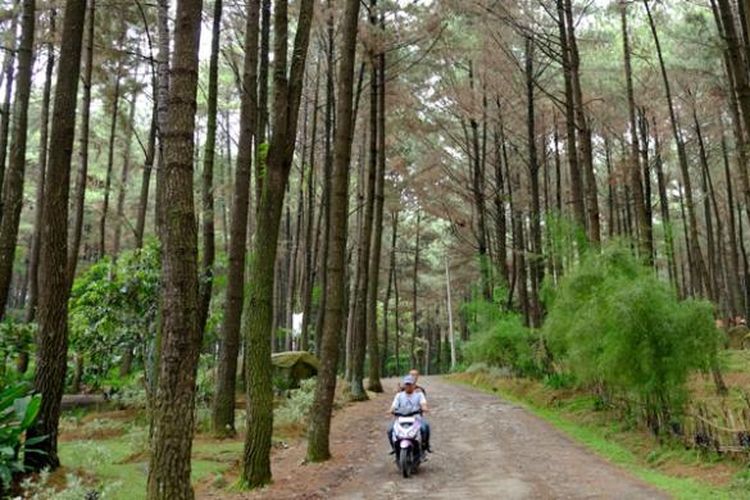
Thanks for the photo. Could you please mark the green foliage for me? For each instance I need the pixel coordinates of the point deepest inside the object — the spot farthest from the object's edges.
(18, 411)
(113, 307)
(615, 326)
(499, 339)
(296, 408)
(16, 338)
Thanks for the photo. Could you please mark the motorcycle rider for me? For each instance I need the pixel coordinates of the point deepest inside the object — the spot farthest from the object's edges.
(417, 388)
(410, 400)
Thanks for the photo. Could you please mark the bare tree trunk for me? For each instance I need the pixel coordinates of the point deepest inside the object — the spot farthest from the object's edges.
(391, 282)
(576, 181)
(318, 448)
(697, 264)
(120, 214)
(12, 190)
(584, 130)
(645, 237)
(162, 98)
(378, 132)
(207, 189)
(665, 215)
(415, 282)
(54, 285)
(7, 74)
(536, 265)
(79, 197)
(224, 397)
(256, 470)
(311, 236)
(477, 186)
(39, 198)
(110, 165)
(327, 174)
(173, 411)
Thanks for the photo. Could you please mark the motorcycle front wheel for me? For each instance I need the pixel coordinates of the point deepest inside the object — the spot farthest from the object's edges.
(405, 462)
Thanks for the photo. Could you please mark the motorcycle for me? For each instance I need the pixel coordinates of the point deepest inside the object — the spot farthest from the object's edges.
(407, 440)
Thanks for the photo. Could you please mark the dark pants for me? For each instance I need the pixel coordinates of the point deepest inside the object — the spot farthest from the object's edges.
(424, 428)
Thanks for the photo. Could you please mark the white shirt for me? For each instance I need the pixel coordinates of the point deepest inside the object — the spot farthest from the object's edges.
(408, 403)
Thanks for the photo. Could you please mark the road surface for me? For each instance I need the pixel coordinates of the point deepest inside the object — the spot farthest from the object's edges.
(484, 447)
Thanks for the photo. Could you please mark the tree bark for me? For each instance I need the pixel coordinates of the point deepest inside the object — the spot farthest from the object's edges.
(256, 469)
(54, 285)
(124, 174)
(12, 192)
(377, 124)
(318, 448)
(31, 305)
(584, 130)
(80, 185)
(224, 398)
(7, 74)
(173, 411)
(697, 263)
(645, 237)
(207, 188)
(110, 166)
(576, 181)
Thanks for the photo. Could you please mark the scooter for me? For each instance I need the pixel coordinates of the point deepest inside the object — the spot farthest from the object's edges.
(407, 440)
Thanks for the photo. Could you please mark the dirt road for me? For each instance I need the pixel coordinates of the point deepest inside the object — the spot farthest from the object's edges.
(484, 448)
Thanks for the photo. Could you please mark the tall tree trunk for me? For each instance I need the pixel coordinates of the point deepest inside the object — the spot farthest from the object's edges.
(697, 264)
(54, 285)
(584, 131)
(665, 214)
(377, 125)
(311, 236)
(173, 412)
(256, 470)
(645, 237)
(162, 97)
(734, 262)
(536, 265)
(110, 162)
(365, 255)
(477, 186)
(7, 74)
(576, 181)
(414, 297)
(79, 196)
(391, 281)
(31, 305)
(501, 225)
(120, 213)
(207, 188)
(327, 173)
(12, 192)
(224, 397)
(318, 448)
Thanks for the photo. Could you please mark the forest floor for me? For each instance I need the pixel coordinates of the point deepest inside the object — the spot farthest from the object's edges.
(485, 447)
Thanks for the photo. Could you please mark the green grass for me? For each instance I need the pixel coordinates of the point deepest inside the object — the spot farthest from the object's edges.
(111, 461)
(599, 438)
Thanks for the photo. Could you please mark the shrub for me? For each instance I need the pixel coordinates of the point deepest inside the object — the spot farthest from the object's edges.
(18, 412)
(498, 338)
(113, 308)
(616, 327)
(296, 408)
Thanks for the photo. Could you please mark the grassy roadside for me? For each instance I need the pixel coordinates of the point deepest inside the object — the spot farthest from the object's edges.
(685, 474)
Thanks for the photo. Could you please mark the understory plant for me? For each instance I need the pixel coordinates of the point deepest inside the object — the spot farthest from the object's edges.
(618, 329)
(18, 411)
